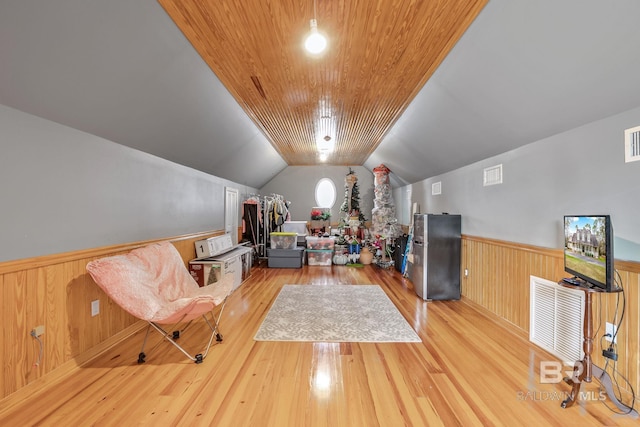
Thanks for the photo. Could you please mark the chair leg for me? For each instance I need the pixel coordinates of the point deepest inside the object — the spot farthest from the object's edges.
(169, 337)
(216, 322)
(173, 336)
(215, 328)
(142, 355)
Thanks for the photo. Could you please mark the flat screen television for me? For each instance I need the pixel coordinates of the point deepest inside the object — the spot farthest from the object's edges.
(588, 250)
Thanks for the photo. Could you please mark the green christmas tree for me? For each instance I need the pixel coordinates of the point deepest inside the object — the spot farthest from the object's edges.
(351, 203)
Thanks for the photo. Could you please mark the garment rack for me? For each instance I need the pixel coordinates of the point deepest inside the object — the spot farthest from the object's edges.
(265, 203)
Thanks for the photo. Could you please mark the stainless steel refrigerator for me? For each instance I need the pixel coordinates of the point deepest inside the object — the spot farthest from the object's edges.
(435, 268)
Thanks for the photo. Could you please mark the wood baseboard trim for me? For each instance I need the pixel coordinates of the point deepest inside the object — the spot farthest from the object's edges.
(495, 318)
(44, 383)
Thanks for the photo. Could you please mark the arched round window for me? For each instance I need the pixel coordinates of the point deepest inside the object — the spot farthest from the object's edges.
(325, 193)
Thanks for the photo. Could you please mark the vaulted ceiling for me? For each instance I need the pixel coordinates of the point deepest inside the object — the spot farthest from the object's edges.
(224, 86)
(380, 54)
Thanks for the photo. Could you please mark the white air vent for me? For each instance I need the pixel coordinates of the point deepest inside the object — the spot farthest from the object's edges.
(436, 188)
(632, 144)
(556, 315)
(493, 175)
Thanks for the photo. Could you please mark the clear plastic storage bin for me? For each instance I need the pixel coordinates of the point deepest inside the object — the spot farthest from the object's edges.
(318, 243)
(283, 240)
(319, 256)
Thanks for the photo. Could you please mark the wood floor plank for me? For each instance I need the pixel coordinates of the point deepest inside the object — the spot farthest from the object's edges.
(471, 368)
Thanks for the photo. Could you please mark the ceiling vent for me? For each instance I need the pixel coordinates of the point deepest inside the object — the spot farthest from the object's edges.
(436, 188)
(493, 175)
(632, 144)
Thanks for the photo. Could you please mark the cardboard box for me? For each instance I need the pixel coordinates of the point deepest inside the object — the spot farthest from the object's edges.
(234, 265)
(317, 224)
(213, 246)
(205, 272)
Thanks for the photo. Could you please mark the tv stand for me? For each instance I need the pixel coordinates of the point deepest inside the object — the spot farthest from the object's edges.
(575, 281)
(585, 369)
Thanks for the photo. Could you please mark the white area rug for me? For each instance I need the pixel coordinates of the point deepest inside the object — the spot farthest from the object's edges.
(335, 313)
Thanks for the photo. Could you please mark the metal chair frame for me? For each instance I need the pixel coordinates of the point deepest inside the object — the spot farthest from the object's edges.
(176, 333)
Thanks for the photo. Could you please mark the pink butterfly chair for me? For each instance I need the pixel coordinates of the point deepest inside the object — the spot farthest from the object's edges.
(152, 283)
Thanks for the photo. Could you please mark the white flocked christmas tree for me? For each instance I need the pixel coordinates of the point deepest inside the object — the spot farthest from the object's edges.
(383, 215)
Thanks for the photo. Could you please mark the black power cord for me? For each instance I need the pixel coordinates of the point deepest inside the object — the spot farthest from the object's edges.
(611, 354)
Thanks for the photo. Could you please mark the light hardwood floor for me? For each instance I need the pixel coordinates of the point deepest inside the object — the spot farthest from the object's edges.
(471, 369)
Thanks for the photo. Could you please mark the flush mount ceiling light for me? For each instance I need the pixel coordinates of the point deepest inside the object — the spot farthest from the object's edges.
(315, 42)
(325, 145)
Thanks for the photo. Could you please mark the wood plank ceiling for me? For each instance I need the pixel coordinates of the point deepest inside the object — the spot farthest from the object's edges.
(380, 54)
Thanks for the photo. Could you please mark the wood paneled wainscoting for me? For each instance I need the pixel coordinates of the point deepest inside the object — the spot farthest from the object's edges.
(55, 291)
(498, 279)
(474, 366)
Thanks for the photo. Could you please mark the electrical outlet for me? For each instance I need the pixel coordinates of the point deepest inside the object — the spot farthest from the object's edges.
(610, 331)
(37, 331)
(95, 308)
(466, 272)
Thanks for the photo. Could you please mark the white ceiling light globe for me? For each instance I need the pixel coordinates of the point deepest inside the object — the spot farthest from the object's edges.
(315, 42)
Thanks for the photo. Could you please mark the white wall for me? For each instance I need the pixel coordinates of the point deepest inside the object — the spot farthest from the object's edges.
(298, 183)
(581, 171)
(62, 189)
